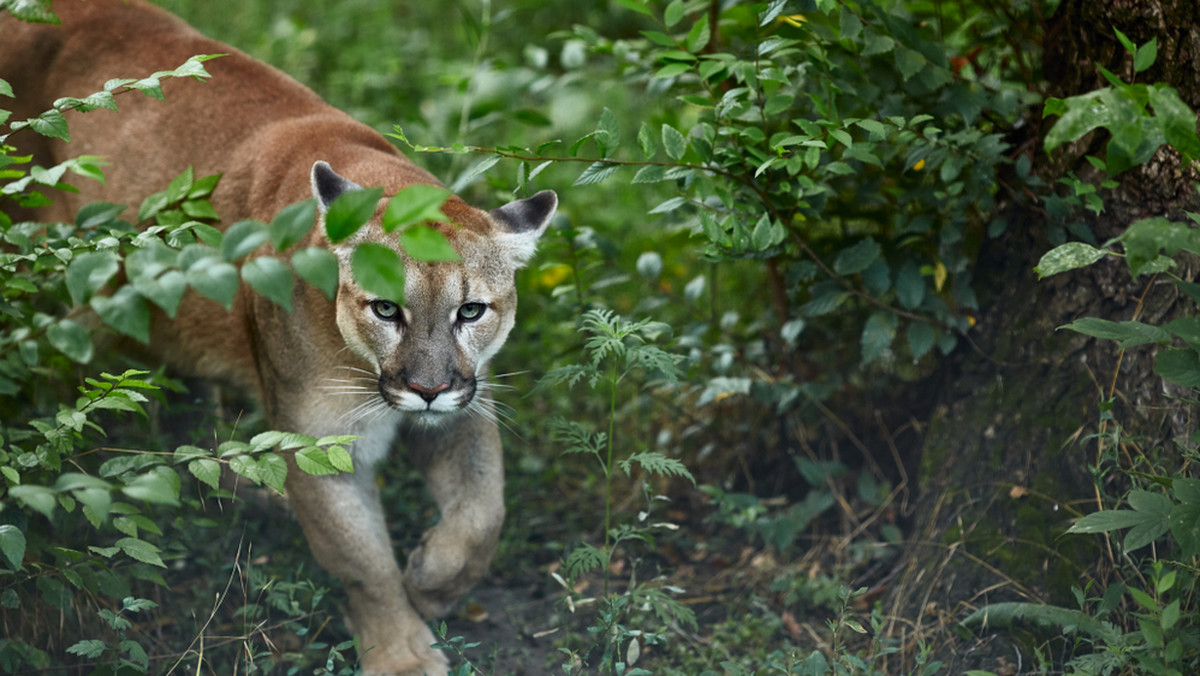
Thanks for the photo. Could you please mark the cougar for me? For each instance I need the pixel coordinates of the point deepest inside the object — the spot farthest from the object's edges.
(357, 364)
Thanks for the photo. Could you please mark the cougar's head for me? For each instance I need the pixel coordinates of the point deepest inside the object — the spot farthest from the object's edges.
(429, 356)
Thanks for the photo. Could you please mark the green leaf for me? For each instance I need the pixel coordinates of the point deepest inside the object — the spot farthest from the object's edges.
(313, 461)
(415, 204)
(341, 459)
(12, 545)
(857, 258)
(671, 15)
(214, 279)
(1125, 41)
(96, 214)
(50, 123)
(90, 648)
(427, 244)
(910, 285)
(849, 24)
(921, 337)
(1068, 256)
(1078, 116)
(656, 463)
(318, 267)
(1146, 54)
(636, 5)
(242, 239)
(206, 470)
(1013, 614)
(582, 559)
(166, 291)
(72, 339)
(350, 211)
(379, 271)
(1181, 367)
(1177, 121)
(38, 498)
(651, 173)
(270, 277)
(1185, 526)
(1143, 240)
(1109, 520)
(674, 142)
(89, 272)
(1131, 334)
(126, 311)
(699, 35)
(646, 142)
(179, 186)
(141, 550)
(877, 336)
(272, 470)
(596, 172)
(1187, 328)
(152, 487)
(292, 223)
(909, 61)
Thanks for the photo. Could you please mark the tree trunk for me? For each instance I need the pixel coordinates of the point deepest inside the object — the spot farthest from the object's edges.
(1004, 466)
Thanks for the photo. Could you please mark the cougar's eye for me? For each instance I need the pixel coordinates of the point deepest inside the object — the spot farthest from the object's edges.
(385, 309)
(470, 312)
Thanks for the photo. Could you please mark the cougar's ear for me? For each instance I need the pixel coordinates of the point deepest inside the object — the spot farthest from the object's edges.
(327, 185)
(522, 222)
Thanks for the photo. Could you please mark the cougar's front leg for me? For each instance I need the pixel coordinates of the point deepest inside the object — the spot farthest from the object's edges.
(464, 469)
(344, 524)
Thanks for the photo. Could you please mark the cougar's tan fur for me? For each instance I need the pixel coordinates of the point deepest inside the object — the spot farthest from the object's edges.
(350, 366)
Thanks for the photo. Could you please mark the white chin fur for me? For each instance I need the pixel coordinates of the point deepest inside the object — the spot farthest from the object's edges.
(445, 403)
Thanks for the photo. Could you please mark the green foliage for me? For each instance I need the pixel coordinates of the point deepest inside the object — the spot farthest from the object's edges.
(1155, 633)
(1139, 118)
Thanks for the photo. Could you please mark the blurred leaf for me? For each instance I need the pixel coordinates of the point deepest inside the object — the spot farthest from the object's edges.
(72, 339)
(416, 204)
(350, 211)
(126, 311)
(1181, 367)
(271, 278)
(379, 271)
(214, 279)
(877, 336)
(1145, 56)
(318, 267)
(242, 239)
(857, 258)
(426, 244)
(292, 223)
(12, 545)
(89, 272)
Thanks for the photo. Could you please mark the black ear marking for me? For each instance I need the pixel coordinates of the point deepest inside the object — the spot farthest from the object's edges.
(531, 214)
(327, 185)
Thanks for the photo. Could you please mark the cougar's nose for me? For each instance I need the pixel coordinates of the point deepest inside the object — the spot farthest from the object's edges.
(427, 393)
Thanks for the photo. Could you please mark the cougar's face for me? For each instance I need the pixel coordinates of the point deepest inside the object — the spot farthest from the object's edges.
(429, 356)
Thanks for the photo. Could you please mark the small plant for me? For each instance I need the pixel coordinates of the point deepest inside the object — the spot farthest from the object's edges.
(616, 349)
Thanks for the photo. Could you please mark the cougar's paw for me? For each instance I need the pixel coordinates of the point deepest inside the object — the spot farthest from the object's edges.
(434, 579)
(420, 659)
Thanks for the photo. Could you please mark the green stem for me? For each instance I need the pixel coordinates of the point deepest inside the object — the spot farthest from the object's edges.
(612, 418)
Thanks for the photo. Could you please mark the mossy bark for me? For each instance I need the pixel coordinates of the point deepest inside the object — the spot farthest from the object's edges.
(1004, 466)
